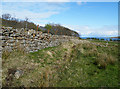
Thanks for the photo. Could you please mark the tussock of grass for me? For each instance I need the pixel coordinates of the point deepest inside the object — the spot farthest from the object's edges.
(103, 59)
(111, 59)
(5, 54)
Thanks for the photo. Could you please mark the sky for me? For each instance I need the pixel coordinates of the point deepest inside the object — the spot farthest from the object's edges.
(89, 19)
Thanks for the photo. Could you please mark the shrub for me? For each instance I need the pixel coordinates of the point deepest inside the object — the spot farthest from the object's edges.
(110, 39)
(102, 39)
(79, 38)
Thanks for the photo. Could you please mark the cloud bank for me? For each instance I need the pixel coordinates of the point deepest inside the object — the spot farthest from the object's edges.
(88, 31)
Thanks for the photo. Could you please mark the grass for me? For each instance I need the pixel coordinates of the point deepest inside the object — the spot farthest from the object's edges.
(66, 65)
(82, 72)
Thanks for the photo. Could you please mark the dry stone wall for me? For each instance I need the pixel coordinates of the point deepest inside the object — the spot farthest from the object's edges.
(30, 40)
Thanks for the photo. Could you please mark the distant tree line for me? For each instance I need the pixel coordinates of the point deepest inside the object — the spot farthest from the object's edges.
(55, 29)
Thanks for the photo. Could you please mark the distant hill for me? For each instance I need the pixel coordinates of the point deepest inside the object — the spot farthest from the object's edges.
(54, 29)
(57, 29)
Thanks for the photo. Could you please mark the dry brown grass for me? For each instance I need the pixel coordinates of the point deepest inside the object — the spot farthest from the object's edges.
(101, 62)
(111, 59)
(90, 50)
(16, 51)
(91, 53)
(103, 59)
(5, 54)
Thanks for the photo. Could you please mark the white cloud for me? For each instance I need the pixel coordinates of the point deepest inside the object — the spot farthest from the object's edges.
(104, 34)
(88, 31)
(31, 15)
(33, 10)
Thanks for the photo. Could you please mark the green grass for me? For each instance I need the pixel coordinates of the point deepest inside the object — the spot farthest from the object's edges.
(66, 65)
(83, 73)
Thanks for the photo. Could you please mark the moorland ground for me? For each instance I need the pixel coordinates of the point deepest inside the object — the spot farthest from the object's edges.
(77, 63)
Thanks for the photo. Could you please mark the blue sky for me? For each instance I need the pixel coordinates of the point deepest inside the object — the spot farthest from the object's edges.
(87, 18)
